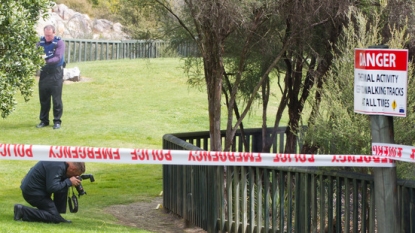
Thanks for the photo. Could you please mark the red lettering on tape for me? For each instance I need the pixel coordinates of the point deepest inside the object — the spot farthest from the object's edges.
(140, 154)
(223, 156)
(282, 158)
(97, 154)
(412, 156)
(16, 150)
(161, 155)
(387, 151)
(304, 158)
(66, 152)
(156, 155)
(90, 152)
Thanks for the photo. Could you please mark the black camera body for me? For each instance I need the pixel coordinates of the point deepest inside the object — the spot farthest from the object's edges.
(80, 188)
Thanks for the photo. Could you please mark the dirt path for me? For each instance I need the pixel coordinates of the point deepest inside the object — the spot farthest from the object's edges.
(145, 215)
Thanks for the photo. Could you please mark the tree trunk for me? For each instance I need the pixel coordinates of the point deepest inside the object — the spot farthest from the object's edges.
(214, 99)
(213, 67)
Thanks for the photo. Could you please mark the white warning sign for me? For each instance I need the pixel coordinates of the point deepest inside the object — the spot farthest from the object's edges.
(380, 81)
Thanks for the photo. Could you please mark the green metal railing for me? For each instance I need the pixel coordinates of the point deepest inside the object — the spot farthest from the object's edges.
(80, 50)
(272, 199)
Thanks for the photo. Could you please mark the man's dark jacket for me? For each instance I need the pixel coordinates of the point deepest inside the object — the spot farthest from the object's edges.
(46, 178)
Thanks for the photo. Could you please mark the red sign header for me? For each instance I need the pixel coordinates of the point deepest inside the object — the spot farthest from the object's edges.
(381, 59)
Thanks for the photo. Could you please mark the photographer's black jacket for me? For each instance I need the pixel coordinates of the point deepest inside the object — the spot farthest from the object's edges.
(46, 178)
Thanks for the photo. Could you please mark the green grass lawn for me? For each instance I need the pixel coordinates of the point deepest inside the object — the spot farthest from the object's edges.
(121, 104)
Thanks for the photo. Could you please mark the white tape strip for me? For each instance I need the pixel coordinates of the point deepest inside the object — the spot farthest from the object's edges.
(183, 157)
(394, 151)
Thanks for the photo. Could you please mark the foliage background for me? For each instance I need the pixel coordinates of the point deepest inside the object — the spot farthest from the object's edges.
(19, 60)
(336, 128)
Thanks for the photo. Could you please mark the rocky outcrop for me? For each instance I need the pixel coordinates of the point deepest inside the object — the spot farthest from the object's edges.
(71, 24)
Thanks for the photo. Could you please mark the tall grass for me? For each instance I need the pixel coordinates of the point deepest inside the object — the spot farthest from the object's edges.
(119, 104)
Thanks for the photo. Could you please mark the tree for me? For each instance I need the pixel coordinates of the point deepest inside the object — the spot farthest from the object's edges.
(208, 23)
(244, 41)
(19, 57)
(294, 39)
(141, 19)
(333, 126)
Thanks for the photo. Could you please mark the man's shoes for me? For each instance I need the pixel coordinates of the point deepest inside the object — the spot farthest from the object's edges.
(67, 221)
(18, 212)
(56, 126)
(41, 125)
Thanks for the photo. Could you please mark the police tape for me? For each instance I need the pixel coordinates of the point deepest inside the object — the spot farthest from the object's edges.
(394, 151)
(384, 156)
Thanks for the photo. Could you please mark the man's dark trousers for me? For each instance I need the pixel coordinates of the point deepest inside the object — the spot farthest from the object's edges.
(47, 210)
(50, 85)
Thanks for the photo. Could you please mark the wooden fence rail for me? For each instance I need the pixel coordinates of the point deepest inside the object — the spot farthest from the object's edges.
(273, 199)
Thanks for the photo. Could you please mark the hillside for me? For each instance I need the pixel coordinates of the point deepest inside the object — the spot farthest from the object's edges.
(72, 24)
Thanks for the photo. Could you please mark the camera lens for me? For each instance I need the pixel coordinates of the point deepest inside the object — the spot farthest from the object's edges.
(80, 190)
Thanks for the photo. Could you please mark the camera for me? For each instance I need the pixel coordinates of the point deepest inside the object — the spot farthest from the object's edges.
(80, 188)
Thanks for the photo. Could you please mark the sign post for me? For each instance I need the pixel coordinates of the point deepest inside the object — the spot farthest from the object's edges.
(380, 91)
(386, 201)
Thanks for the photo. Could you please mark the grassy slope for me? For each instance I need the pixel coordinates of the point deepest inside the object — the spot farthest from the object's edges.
(126, 103)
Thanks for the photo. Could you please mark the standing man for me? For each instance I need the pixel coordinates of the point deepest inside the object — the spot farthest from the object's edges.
(51, 77)
(43, 180)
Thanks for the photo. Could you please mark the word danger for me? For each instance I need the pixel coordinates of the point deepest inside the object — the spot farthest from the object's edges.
(16, 150)
(368, 59)
(84, 153)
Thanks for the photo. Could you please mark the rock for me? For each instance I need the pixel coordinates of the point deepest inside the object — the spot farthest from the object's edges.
(102, 25)
(72, 74)
(70, 24)
(117, 27)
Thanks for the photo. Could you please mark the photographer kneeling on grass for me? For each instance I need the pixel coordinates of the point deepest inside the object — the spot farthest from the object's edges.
(43, 180)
